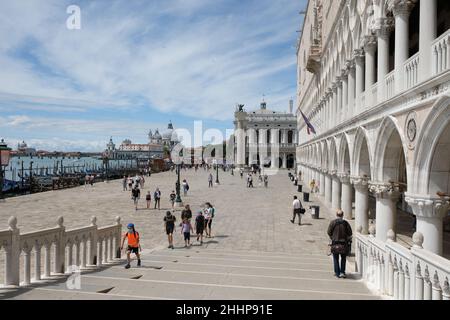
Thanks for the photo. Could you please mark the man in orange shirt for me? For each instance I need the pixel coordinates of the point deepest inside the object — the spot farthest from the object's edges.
(133, 244)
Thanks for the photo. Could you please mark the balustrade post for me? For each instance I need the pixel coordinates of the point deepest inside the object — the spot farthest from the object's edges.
(47, 261)
(12, 262)
(396, 279)
(427, 287)
(100, 252)
(419, 287)
(382, 276)
(69, 258)
(407, 284)
(37, 263)
(93, 242)
(437, 291)
(401, 283)
(118, 237)
(26, 266)
(84, 253)
(60, 248)
(446, 290)
(390, 288)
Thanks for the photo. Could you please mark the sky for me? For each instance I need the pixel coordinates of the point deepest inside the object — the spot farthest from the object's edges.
(135, 65)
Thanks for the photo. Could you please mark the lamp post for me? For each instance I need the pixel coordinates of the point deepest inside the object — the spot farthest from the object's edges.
(178, 201)
(217, 171)
(5, 154)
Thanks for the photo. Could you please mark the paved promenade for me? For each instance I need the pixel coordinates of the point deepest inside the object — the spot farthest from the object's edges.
(255, 252)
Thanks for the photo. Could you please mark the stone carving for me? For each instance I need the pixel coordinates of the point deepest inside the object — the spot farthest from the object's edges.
(385, 190)
(429, 208)
(417, 240)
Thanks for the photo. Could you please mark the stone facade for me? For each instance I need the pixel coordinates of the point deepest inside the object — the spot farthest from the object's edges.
(265, 138)
(374, 80)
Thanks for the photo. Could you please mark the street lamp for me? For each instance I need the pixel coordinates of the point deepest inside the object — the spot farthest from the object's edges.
(5, 154)
(217, 171)
(178, 201)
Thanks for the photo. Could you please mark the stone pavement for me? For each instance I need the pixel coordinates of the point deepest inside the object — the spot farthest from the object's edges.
(255, 252)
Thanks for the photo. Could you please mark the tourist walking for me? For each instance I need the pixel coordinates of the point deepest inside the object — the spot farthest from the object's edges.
(148, 198)
(266, 181)
(169, 226)
(157, 198)
(298, 210)
(185, 187)
(172, 196)
(124, 183)
(86, 180)
(142, 181)
(136, 195)
(186, 228)
(241, 173)
(210, 181)
(200, 226)
(133, 241)
(209, 215)
(340, 233)
(186, 213)
(312, 185)
(130, 183)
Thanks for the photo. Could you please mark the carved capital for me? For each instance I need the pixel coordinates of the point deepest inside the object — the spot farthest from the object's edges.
(385, 190)
(401, 7)
(344, 177)
(360, 182)
(350, 64)
(383, 27)
(429, 208)
(358, 54)
(370, 43)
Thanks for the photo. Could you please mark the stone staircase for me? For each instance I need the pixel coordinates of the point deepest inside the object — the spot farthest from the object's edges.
(198, 273)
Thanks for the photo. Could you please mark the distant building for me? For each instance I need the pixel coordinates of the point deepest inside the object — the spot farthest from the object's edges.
(24, 150)
(157, 147)
(265, 137)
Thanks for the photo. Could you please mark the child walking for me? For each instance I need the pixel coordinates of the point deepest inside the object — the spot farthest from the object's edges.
(132, 237)
(186, 229)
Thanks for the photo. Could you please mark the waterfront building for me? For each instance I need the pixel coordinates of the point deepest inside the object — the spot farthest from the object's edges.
(265, 137)
(24, 150)
(374, 81)
(158, 146)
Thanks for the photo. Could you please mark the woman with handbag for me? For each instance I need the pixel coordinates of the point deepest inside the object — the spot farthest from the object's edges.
(340, 233)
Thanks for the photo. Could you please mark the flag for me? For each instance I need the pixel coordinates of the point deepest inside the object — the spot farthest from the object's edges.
(309, 126)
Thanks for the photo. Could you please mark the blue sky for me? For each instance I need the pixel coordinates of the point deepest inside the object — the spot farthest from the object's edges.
(134, 65)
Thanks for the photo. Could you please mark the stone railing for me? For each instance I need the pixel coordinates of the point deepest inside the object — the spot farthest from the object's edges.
(411, 69)
(390, 85)
(401, 273)
(87, 242)
(441, 53)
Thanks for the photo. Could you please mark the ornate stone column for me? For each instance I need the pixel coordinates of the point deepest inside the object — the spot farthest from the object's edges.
(334, 104)
(339, 100)
(241, 118)
(427, 34)
(361, 203)
(383, 32)
(344, 77)
(328, 188)
(401, 10)
(336, 192)
(430, 214)
(359, 80)
(274, 148)
(322, 182)
(284, 161)
(387, 196)
(253, 147)
(370, 45)
(346, 201)
(351, 87)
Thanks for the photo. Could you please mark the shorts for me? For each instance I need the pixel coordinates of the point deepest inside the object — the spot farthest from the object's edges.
(187, 236)
(169, 230)
(200, 229)
(133, 250)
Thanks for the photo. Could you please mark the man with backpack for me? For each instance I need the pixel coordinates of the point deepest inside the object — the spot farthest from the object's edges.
(340, 233)
(157, 197)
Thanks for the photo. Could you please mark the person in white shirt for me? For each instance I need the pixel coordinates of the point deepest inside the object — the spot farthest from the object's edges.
(297, 206)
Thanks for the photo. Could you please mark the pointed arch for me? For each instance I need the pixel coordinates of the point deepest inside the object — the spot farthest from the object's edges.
(362, 156)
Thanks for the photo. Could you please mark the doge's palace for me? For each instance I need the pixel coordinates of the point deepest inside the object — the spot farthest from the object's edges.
(374, 81)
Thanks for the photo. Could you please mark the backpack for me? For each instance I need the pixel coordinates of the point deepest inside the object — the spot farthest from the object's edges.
(187, 187)
(212, 212)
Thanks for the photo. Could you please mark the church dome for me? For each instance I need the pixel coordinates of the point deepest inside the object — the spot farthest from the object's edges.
(157, 135)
